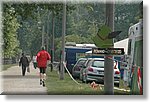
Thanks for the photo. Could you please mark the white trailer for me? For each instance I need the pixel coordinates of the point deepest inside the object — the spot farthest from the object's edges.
(135, 57)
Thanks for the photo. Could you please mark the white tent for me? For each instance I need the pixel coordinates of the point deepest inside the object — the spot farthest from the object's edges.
(122, 44)
(119, 44)
(88, 52)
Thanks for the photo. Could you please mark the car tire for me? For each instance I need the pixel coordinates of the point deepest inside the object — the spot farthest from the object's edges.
(85, 79)
(117, 84)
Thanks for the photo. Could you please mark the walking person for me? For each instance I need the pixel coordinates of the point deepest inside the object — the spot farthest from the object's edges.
(34, 61)
(24, 62)
(42, 57)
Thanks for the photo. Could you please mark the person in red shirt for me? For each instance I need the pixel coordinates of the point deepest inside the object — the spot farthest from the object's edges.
(42, 58)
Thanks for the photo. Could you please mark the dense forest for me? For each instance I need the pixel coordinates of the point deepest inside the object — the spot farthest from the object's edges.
(24, 24)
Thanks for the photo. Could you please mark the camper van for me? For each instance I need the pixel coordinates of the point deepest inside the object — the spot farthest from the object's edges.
(135, 58)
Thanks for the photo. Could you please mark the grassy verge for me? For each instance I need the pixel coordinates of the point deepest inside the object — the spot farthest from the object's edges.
(5, 67)
(67, 86)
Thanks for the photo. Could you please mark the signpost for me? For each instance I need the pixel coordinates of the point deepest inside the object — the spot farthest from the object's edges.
(108, 64)
(104, 39)
(108, 67)
(110, 51)
(101, 39)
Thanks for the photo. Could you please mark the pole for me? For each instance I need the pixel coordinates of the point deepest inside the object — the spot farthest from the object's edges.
(63, 41)
(47, 44)
(108, 63)
(43, 36)
(53, 31)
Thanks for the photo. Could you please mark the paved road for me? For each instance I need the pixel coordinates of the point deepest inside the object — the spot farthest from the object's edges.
(15, 83)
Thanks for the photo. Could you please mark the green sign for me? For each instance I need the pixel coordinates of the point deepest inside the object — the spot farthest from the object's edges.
(101, 39)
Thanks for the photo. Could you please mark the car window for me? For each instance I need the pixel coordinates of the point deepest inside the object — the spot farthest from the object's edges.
(98, 64)
(88, 63)
(81, 62)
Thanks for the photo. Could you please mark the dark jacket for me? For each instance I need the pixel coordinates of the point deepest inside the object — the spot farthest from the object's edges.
(24, 61)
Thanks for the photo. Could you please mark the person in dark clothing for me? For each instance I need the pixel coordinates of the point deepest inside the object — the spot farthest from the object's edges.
(24, 63)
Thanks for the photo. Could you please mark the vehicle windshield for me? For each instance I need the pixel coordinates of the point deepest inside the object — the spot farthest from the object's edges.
(98, 63)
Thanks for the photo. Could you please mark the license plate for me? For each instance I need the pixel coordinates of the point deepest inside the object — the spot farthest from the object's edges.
(101, 72)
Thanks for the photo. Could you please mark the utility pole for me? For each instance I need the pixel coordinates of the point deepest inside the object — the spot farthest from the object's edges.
(47, 38)
(108, 63)
(53, 31)
(63, 41)
(43, 36)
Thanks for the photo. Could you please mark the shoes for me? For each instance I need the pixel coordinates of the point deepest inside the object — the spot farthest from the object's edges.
(43, 84)
(40, 81)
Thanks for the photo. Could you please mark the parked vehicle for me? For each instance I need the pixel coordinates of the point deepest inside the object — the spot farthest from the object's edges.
(75, 51)
(135, 58)
(77, 67)
(85, 65)
(94, 71)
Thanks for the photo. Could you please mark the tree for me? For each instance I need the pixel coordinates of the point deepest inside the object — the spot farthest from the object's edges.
(125, 15)
(10, 26)
(32, 17)
(83, 21)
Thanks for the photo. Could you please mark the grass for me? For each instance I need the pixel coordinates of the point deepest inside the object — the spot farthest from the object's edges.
(67, 86)
(5, 67)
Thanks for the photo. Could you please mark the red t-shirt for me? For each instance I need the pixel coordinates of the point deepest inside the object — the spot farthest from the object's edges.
(42, 58)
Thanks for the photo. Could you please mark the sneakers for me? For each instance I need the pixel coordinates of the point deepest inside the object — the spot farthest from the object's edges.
(42, 82)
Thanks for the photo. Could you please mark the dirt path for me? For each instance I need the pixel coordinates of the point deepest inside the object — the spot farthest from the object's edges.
(15, 83)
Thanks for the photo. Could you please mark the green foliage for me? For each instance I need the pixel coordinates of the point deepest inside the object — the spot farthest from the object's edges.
(82, 23)
(32, 17)
(125, 15)
(77, 39)
(85, 19)
(10, 26)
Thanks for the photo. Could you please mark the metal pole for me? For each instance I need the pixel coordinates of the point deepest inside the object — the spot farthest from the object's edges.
(53, 31)
(43, 36)
(63, 41)
(108, 63)
(47, 38)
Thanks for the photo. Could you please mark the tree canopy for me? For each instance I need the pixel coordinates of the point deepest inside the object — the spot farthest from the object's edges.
(10, 26)
(22, 24)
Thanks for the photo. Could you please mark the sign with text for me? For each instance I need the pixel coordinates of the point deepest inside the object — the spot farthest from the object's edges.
(110, 51)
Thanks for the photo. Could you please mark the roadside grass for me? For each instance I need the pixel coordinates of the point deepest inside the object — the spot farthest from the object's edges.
(67, 86)
(5, 67)
(122, 85)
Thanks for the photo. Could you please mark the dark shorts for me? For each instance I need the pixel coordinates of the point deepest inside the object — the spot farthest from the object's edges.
(42, 70)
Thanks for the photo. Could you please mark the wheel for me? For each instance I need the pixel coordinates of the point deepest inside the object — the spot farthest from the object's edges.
(117, 84)
(82, 80)
(85, 79)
